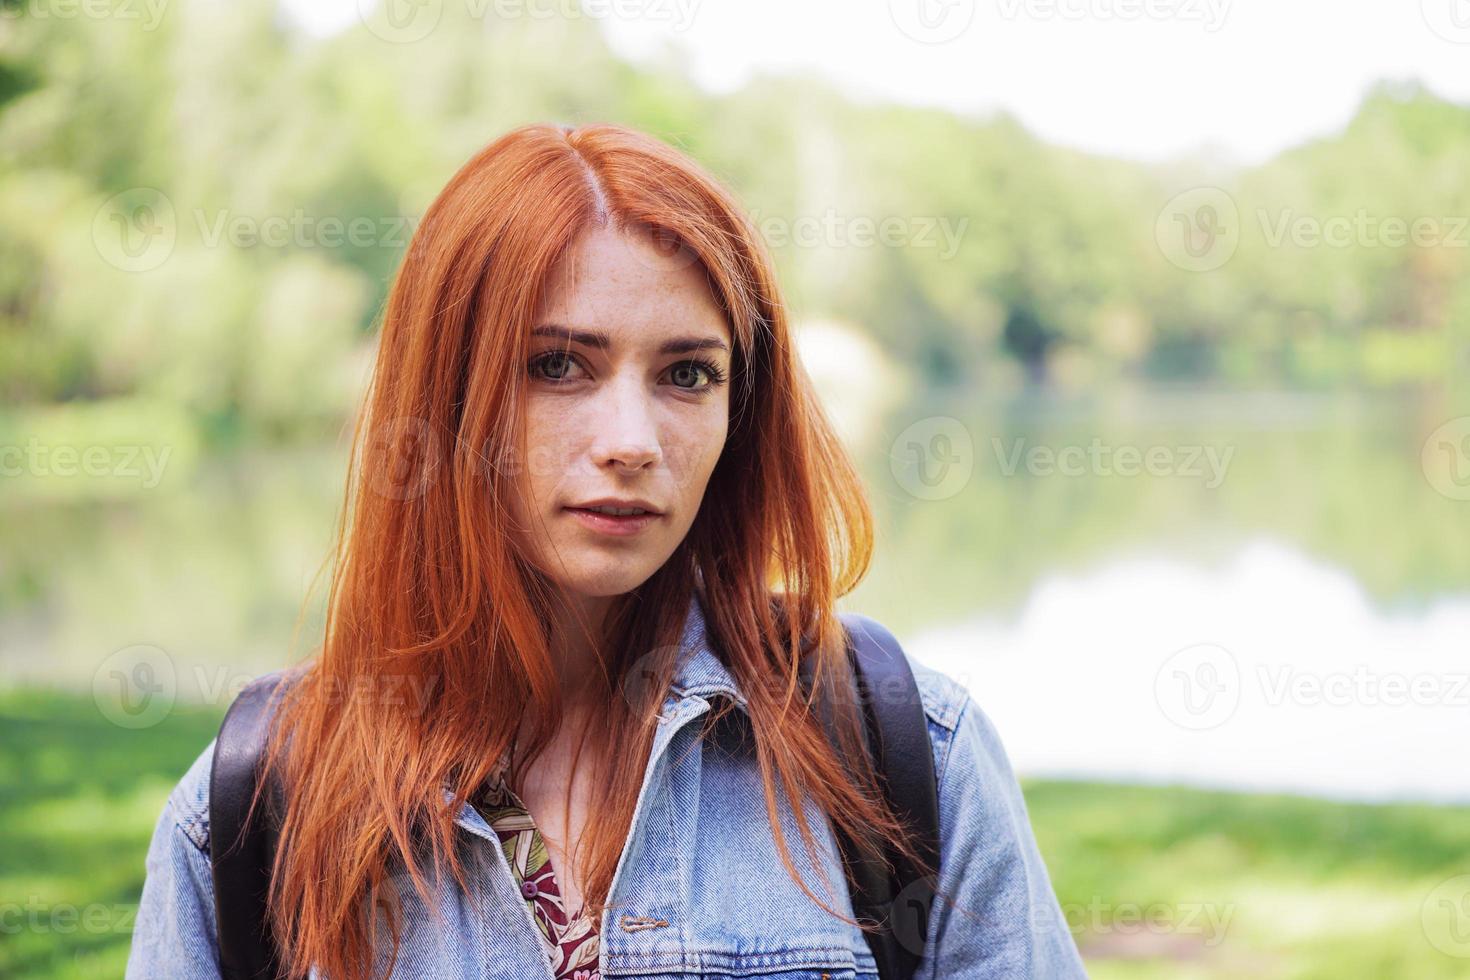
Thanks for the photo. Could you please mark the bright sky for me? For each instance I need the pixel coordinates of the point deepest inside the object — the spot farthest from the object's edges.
(1146, 79)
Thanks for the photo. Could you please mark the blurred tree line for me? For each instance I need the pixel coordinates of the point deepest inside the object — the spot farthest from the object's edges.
(201, 216)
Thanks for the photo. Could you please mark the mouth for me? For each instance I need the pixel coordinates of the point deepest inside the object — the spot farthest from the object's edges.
(615, 517)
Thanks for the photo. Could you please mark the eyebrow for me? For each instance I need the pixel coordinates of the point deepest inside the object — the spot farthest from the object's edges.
(601, 341)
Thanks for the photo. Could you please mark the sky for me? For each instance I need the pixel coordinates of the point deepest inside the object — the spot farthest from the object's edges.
(1148, 80)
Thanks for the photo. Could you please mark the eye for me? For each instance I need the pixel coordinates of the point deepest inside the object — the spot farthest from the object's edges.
(687, 374)
(552, 366)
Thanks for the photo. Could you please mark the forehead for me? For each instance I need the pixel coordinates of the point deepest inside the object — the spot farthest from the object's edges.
(629, 283)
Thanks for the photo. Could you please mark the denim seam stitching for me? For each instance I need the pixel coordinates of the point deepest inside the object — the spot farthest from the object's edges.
(949, 747)
(196, 831)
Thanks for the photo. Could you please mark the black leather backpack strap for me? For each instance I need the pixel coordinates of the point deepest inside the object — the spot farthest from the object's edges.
(898, 734)
(240, 854)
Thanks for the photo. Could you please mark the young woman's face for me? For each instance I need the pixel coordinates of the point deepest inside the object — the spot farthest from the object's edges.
(628, 407)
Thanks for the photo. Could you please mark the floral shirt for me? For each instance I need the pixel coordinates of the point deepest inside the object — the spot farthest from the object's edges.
(571, 941)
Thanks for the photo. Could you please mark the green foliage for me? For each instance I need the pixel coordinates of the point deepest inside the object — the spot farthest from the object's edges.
(1050, 271)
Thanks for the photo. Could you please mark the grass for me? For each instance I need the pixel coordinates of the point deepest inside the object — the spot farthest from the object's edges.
(79, 798)
(1260, 886)
(1158, 882)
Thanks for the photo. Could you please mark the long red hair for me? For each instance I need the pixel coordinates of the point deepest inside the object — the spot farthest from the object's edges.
(436, 640)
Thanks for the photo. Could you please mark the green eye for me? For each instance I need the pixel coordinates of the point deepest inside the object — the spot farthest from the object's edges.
(692, 370)
(552, 366)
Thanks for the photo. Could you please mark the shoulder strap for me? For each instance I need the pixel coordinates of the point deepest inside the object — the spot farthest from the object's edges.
(240, 855)
(898, 735)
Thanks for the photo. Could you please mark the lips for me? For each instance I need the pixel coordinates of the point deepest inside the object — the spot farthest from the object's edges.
(607, 519)
(618, 506)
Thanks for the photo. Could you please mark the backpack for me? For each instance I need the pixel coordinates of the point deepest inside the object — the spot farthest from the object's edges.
(896, 728)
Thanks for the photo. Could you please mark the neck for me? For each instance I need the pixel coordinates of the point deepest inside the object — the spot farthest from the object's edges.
(575, 631)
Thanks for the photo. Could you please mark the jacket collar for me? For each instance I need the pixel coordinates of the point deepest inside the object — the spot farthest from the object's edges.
(701, 671)
(700, 674)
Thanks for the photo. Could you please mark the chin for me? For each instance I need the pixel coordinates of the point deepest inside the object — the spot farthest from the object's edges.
(613, 581)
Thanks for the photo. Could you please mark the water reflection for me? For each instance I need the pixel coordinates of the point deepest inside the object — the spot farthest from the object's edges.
(1270, 671)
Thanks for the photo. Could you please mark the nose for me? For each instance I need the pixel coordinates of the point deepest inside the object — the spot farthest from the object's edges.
(626, 435)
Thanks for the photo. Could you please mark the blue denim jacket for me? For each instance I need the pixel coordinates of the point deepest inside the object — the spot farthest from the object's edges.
(700, 890)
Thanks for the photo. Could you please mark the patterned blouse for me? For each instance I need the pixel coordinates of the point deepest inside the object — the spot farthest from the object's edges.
(571, 943)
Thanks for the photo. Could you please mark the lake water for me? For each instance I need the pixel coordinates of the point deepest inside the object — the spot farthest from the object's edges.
(1270, 671)
(1261, 590)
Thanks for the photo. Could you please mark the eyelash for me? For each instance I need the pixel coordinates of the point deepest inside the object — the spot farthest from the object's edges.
(710, 368)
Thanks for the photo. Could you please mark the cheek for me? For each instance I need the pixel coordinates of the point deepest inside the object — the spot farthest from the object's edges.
(551, 446)
(695, 452)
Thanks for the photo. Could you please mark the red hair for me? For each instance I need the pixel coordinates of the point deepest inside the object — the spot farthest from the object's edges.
(429, 593)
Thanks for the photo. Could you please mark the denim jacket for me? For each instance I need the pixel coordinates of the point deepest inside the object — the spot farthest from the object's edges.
(700, 892)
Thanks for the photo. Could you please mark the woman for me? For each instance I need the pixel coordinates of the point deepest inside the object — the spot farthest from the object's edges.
(595, 501)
